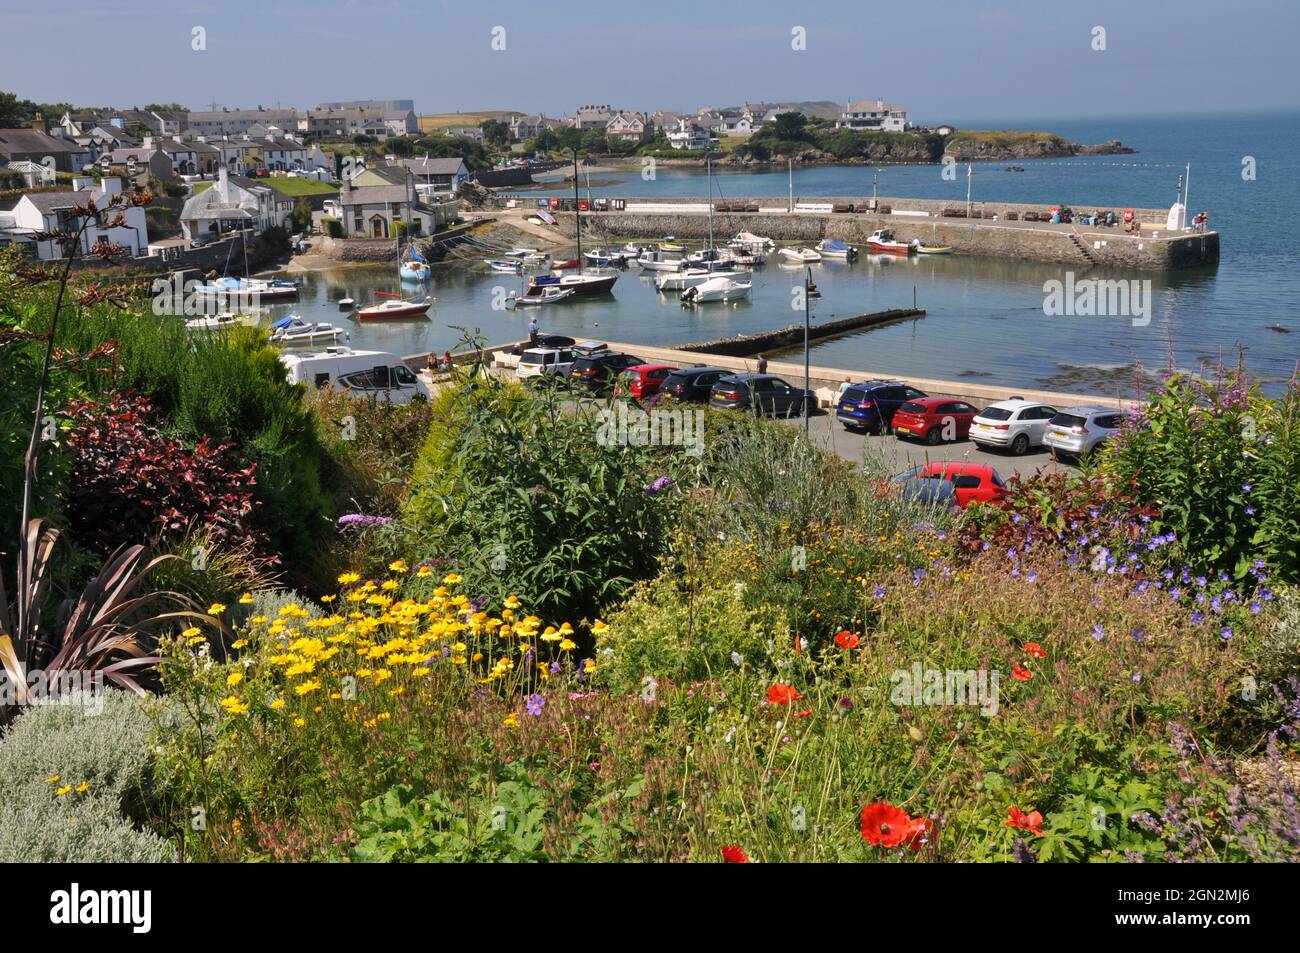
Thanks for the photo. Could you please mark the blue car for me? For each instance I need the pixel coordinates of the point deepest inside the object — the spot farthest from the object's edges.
(870, 405)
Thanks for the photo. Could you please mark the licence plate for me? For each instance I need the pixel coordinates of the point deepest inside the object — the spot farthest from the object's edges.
(845, 408)
(903, 430)
(1060, 433)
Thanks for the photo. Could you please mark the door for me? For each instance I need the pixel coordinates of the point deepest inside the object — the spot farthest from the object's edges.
(378, 227)
(1038, 418)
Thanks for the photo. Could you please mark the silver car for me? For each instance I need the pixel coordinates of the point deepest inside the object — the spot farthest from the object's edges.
(1078, 431)
(1016, 425)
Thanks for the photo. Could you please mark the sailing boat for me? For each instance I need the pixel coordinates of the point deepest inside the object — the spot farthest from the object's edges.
(249, 291)
(581, 284)
(414, 266)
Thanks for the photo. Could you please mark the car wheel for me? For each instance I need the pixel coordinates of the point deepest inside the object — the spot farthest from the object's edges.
(1020, 446)
(934, 436)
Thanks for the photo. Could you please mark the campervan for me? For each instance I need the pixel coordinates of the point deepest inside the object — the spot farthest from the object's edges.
(359, 373)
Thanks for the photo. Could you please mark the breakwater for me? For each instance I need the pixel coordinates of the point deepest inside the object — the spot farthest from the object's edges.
(992, 229)
(747, 345)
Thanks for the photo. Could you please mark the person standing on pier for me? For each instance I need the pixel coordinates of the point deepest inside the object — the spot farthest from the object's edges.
(533, 330)
(762, 364)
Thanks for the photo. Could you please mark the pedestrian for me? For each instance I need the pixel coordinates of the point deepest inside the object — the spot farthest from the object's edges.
(446, 360)
(762, 364)
(533, 330)
(839, 394)
(431, 362)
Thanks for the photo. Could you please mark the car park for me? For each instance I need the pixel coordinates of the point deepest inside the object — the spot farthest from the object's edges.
(1078, 431)
(933, 419)
(871, 405)
(692, 384)
(762, 393)
(1016, 425)
(971, 482)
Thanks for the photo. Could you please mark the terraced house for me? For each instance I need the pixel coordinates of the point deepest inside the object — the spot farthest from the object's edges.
(38, 212)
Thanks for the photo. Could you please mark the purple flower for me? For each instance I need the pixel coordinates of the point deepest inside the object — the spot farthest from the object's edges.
(1139, 634)
(879, 592)
(1098, 632)
(1255, 607)
(1197, 617)
(659, 485)
(362, 520)
(1250, 511)
(535, 704)
(1033, 575)
(1225, 633)
(555, 668)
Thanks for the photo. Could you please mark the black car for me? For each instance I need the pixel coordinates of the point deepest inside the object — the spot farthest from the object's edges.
(762, 393)
(870, 405)
(691, 383)
(544, 340)
(597, 371)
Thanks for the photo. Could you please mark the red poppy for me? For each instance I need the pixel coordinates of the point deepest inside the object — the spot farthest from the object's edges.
(734, 855)
(780, 694)
(806, 713)
(1035, 650)
(1021, 674)
(1032, 822)
(920, 827)
(884, 825)
(846, 640)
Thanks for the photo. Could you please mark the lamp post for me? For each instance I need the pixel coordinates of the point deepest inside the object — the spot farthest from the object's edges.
(807, 320)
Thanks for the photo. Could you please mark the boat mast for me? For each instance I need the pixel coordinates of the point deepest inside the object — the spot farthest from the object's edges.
(577, 212)
(708, 174)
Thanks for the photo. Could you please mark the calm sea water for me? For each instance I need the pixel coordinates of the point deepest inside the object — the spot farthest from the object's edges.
(985, 316)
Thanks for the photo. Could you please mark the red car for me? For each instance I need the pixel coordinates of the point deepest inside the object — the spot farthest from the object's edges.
(934, 419)
(642, 380)
(956, 481)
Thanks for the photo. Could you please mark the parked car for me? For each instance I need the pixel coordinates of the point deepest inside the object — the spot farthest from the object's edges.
(934, 419)
(763, 393)
(1079, 431)
(545, 362)
(203, 238)
(971, 482)
(870, 405)
(1016, 425)
(261, 174)
(597, 369)
(642, 380)
(692, 383)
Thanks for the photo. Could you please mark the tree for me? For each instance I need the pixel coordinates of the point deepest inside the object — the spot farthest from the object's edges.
(14, 112)
(790, 126)
(300, 217)
(570, 139)
(496, 133)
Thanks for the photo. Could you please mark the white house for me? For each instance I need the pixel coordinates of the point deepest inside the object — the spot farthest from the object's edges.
(872, 115)
(372, 211)
(443, 177)
(690, 135)
(628, 127)
(50, 211)
(234, 202)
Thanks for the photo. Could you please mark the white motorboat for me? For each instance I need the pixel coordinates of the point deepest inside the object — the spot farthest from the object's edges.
(688, 279)
(215, 322)
(248, 289)
(800, 255)
(292, 330)
(521, 252)
(834, 248)
(749, 242)
(347, 303)
(507, 265)
(539, 295)
(883, 242)
(718, 288)
(654, 260)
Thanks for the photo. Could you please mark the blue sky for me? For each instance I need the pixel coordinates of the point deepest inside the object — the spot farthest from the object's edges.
(941, 60)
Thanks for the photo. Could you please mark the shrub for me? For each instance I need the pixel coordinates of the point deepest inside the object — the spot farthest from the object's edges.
(109, 752)
(332, 226)
(129, 483)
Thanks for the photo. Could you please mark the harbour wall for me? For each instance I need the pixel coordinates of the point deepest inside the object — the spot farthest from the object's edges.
(746, 345)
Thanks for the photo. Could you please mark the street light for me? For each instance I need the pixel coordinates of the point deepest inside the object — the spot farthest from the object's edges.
(807, 318)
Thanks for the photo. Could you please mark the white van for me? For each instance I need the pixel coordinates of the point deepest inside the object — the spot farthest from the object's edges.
(359, 373)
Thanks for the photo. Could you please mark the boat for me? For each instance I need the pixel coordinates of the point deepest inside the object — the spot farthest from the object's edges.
(652, 259)
(535, 261)
(568, 265)
(348, 303)
(718, 288)
(671, 244)
(754, 244)
(800, 255)
(925, 248)
(521, 252)
(396, 307)
(512, 265)
(632, 250)
(292, 329)
(883, 242)
(834, 248)
(414, 266)
(602, 258)
(581, 284)
(539, 295)
(247, 289)
(749, 260)
(216, 322)
(688, 279)
(711, 258)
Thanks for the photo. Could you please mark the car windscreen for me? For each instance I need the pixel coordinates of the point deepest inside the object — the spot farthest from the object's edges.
(853, 395)
(1068, 420)
(533, 357)
(995, 413)
(911, 408)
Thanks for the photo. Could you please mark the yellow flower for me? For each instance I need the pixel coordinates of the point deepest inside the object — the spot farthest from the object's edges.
(424, 572)
(190, 632)
(63, 790)
(246, 599)
(599, 627)
(308, 687)
(234, 678)
(278, 704)
(238, 643)
(398, 565)
(348, 578)
(589, 666)
(389, 584)
(512, 602)
(53, 780)
(451, 578)
(233, 705)
(511, 720)
(328, 599)
(216, 608)
(568, 645)
(83, 787)
(258, 620)
(299, 722)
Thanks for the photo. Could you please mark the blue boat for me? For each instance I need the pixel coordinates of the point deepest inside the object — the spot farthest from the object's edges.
(414, 266)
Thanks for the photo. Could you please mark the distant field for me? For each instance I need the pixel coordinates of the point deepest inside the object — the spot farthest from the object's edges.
(288, 186)
(436, 121)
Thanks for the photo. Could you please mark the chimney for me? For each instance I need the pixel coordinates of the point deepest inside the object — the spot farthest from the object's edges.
(146, 142)
(223, 184)
(80, 182)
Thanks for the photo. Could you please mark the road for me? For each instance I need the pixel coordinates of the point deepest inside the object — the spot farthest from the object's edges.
(828, 433)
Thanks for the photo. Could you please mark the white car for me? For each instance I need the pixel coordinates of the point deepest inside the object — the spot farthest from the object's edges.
(545, 361)
(1016, 425)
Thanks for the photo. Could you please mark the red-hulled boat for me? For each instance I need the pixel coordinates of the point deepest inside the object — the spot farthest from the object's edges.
(883, 242)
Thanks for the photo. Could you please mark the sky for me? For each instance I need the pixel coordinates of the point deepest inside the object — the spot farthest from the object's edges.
(941, 60)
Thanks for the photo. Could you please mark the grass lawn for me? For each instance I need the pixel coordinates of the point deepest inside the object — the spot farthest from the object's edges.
(282, 183)
(435, 121)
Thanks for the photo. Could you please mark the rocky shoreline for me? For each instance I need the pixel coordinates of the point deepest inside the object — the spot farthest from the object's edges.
(887, 153)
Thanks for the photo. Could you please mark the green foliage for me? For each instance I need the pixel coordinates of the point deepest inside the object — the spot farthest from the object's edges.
(76, 744)
(1220, 462)
(332, 226)
(300, 218)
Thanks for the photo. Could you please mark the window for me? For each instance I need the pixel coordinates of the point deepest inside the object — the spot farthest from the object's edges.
(964, 481)
(403, 375)
(911, 393)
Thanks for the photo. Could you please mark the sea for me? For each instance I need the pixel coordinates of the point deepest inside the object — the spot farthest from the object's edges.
(985, 317)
